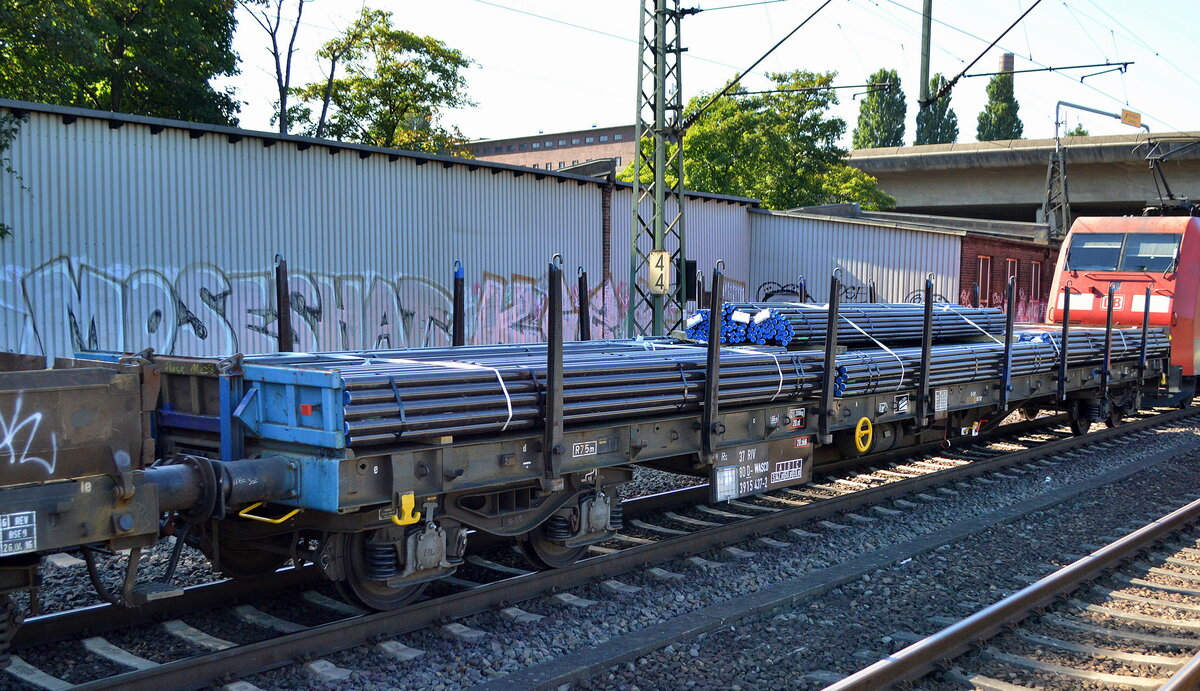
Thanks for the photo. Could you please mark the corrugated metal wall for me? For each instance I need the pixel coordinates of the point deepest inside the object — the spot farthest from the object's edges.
(714, 230)
(125, 240)
(788, 246)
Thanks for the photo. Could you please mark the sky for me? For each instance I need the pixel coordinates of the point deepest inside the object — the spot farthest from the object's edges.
(557, 65)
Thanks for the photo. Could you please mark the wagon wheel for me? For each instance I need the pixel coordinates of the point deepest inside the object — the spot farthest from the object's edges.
(1114, 416)
(545, 553)
(1080, 427)
(358, 589)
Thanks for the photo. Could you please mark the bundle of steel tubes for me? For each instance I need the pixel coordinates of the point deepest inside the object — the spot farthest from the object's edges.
(861, 372)
(761, 327)
(805, 325)
(415, 395)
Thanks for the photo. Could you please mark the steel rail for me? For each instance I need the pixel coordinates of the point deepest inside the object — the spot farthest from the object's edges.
(199, 671)
(102, 618)
(67, 625)
(1186, 678)
(921, 657)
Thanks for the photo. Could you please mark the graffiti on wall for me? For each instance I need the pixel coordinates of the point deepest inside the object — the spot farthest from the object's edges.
(64, 306)
(18, 432)
(1030, 309)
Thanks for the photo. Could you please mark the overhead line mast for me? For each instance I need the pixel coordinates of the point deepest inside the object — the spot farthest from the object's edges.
(657, 251)
(658, 237)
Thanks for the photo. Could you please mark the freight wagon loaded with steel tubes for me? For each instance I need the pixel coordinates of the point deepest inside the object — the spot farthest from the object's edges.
(377, 466)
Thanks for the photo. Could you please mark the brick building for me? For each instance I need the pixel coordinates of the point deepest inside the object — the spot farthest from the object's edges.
(562, 149)
(990, 261)
(990, 252)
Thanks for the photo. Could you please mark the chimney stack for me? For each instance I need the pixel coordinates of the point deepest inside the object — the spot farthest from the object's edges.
(1006, 62)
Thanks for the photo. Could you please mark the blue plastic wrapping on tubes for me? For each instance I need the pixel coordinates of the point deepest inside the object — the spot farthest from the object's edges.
(764, 323)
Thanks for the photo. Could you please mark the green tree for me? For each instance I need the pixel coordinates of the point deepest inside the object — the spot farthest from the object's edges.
(881, 115)
(395, 86)
(999, 119)
(147, 57)
(780, 148)
(937, 123)
(844, 184)
(9, 126)
(1078, 131)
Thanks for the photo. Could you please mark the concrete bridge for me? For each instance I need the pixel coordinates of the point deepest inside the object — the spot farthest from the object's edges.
(1106, 175)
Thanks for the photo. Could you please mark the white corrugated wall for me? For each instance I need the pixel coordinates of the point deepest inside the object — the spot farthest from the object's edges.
(789, 246)
(125, 240)
(714, 229)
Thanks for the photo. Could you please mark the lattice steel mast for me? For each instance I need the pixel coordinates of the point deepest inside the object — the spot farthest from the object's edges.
(656, 288)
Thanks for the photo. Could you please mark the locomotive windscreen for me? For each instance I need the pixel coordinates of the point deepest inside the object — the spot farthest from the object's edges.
(1150, 252)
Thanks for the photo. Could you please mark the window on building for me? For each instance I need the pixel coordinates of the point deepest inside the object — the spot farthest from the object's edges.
(1035, 281)
(549, 143)
(984, 274)
(618, 137)
(574, 163)
(604, 137)
(575, 140)
(499, 149)
(536, 145)
(521, 147)
(562, 142)
(510, 147)
(1010, 269)
(618, 161)
(547, 166)
(589, 140)
(561, 164)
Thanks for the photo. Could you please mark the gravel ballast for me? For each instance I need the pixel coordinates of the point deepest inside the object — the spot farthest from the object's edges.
(851, 626)
(450, 664)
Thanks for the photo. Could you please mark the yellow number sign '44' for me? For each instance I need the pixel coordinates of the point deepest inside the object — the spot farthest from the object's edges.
(660, 272)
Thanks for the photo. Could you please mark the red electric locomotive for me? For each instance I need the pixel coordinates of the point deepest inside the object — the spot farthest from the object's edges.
(1130, 255)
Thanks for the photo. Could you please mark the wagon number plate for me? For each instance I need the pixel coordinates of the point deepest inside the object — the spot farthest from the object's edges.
(18, 533)
(740, 471)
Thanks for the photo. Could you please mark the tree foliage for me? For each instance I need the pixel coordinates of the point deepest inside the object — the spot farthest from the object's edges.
(999, 118)
(843, 184)
(392, 91)
(780, 148)
(881, 115)
(937, 123)
(9, 126)
(1078, 131)
(147, 57)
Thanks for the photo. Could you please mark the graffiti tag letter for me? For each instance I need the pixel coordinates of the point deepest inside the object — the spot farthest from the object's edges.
(18, 454)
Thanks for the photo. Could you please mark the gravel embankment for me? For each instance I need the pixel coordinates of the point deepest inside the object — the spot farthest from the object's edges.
(508, 647)
(852, 626)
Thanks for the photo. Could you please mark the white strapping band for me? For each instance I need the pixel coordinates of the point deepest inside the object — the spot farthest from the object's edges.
(900, 384)
(946, 308)
(465, 366)
(748, 351)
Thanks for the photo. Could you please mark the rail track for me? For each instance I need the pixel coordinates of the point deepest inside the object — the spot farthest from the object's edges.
(1017, 636)
(659, 528)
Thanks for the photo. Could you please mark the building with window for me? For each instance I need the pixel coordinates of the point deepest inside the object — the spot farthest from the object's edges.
(561, 149)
